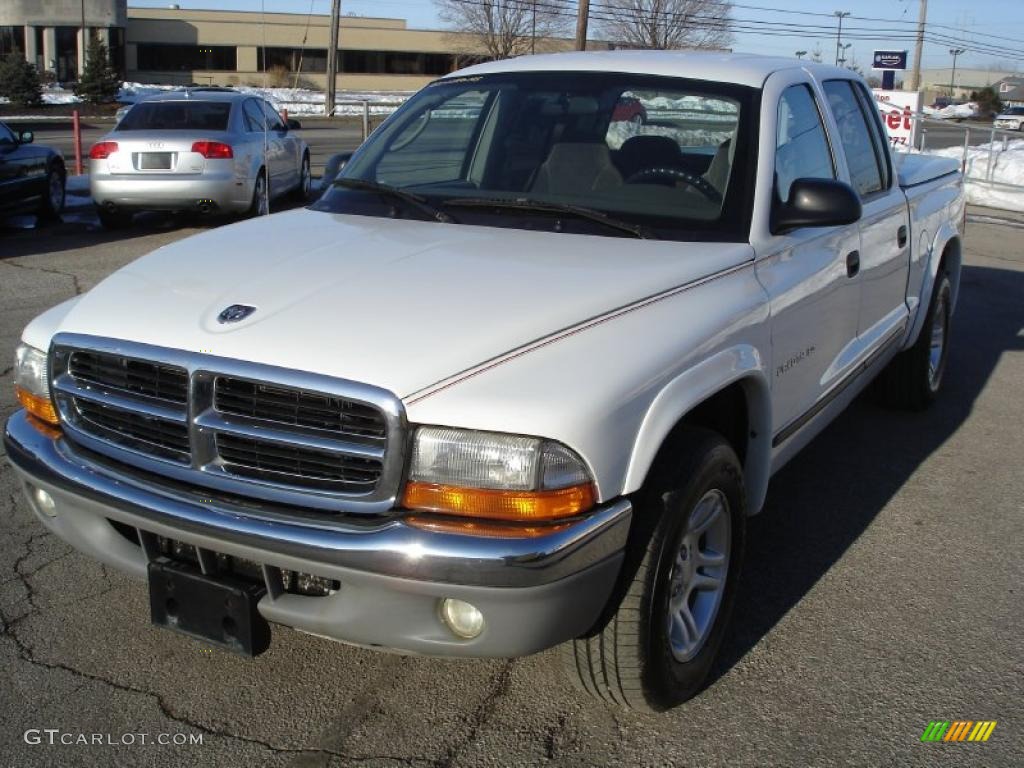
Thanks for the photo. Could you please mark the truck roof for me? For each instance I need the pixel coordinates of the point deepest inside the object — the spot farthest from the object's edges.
(740, 68)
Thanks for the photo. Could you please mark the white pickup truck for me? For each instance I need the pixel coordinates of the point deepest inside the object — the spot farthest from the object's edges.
(515, 380)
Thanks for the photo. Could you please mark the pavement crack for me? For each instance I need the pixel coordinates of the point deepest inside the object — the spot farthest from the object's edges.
(49, 270)
(499, 687)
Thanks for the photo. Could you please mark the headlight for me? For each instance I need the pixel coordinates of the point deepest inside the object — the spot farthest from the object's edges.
(32, 383)
(496, 476)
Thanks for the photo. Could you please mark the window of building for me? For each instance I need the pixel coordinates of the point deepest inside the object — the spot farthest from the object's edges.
(117, 49)
(396, 63)
(12, 39)
(184, 58)
(66, 63)
(293, 59)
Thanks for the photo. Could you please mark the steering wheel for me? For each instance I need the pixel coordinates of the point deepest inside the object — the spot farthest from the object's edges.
(699, 183)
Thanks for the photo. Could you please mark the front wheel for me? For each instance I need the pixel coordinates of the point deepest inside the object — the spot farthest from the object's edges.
(683, 567)
(52, 202)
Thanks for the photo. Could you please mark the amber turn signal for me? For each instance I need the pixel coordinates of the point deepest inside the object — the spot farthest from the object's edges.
(499, 505)
(40, 407)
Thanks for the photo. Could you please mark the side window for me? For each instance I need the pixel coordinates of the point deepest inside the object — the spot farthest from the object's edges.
(879, 136)
(6, 136)
(274, 121)
(801, 147)
(254, 117)
(858, 146)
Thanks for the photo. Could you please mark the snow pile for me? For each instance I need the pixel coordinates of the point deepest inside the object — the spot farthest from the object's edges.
(953, 111)
(1007, 168)
(52, 95)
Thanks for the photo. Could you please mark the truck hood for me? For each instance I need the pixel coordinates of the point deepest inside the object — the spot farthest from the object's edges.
(398, 304)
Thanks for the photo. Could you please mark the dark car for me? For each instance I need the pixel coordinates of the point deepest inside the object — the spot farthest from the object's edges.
(31, 177)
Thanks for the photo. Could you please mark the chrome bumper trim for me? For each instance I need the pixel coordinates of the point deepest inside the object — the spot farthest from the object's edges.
(386, 546)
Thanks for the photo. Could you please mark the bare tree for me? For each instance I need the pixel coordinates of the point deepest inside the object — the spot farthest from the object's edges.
(501, 29)
(665, 24)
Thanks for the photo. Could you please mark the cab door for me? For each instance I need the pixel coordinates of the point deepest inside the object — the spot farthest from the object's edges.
(814, 293)
(885, 223)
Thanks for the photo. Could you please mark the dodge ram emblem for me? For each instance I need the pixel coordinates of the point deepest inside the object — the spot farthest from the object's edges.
(235, 313)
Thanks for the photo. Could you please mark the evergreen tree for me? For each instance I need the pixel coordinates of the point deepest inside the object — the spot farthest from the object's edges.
(19, 81)
(99, 82)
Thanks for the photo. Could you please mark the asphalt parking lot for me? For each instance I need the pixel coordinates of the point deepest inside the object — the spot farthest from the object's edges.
(884, 588)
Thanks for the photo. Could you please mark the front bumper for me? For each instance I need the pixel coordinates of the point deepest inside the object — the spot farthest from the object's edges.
(533, 592)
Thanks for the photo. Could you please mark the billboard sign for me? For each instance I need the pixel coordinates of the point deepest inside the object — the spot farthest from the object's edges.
(889, 60)
(898, 109)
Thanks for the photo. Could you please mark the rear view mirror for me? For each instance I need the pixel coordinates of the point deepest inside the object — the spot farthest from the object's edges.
(26, 137)
(335, 165)
(816, 203)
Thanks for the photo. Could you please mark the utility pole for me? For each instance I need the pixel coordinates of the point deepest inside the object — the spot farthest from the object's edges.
(582, 18)
(801, 54)
(842, 59)
(952, 80)
(332, 58)
(915, 73)
(839, 33)
(533, 35)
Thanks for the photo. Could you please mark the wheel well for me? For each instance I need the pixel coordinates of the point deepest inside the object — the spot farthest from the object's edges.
(951, 261)
(726, 413)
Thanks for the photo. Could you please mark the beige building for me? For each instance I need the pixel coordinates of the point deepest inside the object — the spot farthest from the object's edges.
(171, 45)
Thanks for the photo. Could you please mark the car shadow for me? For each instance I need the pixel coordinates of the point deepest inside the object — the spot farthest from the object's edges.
(79, 227)
(825, 498)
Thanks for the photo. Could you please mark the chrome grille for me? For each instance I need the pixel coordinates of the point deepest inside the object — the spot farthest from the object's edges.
(269, 433)
(299, 466)
(283, 405)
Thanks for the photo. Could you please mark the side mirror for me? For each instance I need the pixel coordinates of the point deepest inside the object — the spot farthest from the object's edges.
(292, 124)
(26, 137)
(335, 165)
(816, 203)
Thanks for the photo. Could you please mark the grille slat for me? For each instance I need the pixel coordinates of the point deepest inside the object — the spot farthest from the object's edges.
(139, 377)
(300, 466)
(166, 439)
(296, 407)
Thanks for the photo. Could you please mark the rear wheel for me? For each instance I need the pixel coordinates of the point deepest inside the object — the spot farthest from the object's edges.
(913, 379)
(305, 181)
(114, 219)
(656, 651)
(260, 205)
(52, 202)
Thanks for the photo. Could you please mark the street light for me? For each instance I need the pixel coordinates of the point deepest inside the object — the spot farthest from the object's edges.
(839, 33)
(952, 80)
(842, 59)
(801, 54)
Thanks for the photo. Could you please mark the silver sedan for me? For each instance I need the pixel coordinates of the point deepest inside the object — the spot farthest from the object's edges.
(209, 151)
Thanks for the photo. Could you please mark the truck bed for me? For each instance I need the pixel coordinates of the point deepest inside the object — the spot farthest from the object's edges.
(913, 169)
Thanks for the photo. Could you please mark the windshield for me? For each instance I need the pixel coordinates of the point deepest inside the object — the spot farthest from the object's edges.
(177, 115)
(671, 155)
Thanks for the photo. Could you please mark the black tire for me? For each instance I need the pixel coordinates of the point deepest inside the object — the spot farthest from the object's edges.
(908, 382)
(302, 192)
(114, 219)
(254, 206)
(628, 659)
(52, 202)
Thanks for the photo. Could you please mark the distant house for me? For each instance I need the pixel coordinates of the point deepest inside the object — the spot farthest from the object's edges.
(1011, 90)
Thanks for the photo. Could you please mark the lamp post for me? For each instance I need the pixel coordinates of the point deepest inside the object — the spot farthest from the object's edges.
(842, 58)
(839, 33)
(952, 80)
(801, 54)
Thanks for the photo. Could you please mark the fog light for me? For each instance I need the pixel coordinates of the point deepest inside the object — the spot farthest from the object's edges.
(45, 502)
(462, 618)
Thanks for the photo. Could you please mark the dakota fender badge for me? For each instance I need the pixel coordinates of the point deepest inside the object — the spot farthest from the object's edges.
(235, 313)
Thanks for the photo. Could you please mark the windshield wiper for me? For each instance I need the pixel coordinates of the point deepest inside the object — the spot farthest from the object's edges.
(523, 204)
(416, 201)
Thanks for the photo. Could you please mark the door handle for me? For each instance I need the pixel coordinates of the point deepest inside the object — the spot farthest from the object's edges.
(852, 263)
(901, 236)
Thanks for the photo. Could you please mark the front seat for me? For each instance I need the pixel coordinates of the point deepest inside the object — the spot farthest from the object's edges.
(576, 167)
(641, 153)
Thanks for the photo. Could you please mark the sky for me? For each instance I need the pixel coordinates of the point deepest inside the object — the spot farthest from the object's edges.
(960, 20)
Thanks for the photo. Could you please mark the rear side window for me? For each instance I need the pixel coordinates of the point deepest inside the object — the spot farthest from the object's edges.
(862, 154)
(801, 147)
(177, 115)
(255, 120)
